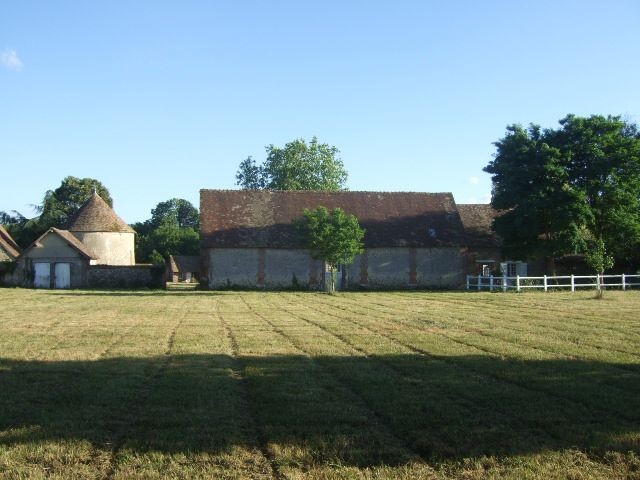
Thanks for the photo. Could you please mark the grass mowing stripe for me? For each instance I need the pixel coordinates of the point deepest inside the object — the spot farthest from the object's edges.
(134, 409)
(549, 345)
(361, 429)
(374, 416)
(468, 307)
(470, 400)
(616, 375)
(484, 348)
(593, 316)
(498, 374)
(491, 324)
(238, 368)
(317, 403)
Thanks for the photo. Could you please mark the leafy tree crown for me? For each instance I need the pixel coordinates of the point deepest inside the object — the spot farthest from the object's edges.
(332, 236)
(297, 166)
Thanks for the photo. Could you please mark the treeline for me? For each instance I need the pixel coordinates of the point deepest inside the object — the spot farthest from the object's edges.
(570, 190)
(172, 229)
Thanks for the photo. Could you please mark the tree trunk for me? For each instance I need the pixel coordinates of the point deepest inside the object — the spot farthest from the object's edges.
(332, 289)
(551, 266)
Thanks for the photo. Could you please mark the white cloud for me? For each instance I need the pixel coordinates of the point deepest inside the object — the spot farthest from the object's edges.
(9, 59)
(474, 180)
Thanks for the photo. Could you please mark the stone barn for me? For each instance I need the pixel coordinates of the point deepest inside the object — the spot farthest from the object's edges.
(412, 240)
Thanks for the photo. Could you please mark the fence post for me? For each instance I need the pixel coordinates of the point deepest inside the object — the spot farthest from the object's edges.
(545, 283)
(624, 287)
(517, 283)
(468, 281)
(491, 283)
(598, 281)
(478, 281)
(573, 283)
(504, 282)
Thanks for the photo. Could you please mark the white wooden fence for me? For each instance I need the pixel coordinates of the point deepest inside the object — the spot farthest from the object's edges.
(546, 283)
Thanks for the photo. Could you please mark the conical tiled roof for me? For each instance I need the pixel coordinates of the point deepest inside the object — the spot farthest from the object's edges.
(97, 216)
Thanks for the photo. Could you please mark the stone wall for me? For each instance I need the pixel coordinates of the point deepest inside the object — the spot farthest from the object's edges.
(134, 276)
(111, 248)
(378, 268)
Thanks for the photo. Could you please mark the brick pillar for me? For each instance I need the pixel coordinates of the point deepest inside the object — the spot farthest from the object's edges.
(261, 261)
(313, 272)
(413, 274)
(364, 268)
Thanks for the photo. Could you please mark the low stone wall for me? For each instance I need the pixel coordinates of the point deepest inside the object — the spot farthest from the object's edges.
(134, 276)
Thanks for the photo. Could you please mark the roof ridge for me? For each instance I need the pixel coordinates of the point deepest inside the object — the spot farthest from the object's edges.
(388, 192)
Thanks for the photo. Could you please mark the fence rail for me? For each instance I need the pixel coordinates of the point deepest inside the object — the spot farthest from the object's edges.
(546, 283)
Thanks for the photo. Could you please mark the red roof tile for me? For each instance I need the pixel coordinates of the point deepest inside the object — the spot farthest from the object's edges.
(477, 219)
(263, 218)
(97, 216)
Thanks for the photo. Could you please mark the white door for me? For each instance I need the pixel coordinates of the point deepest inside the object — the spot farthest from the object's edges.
(42, 277)
(62, 275)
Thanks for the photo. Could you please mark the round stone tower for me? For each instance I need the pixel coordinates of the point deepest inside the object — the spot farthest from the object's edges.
(98, 227)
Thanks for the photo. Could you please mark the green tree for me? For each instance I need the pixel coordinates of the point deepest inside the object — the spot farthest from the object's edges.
(332, 236)
(603, 162)
(59, 205)
(297, 166)
(173, 229)
(599, 259)
(543, 212)
(250, 176)
(19, 227)
(56, 209)
(176, 211)
(560, 189)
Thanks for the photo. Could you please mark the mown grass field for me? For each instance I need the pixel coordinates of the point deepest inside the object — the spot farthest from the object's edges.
(298, 385)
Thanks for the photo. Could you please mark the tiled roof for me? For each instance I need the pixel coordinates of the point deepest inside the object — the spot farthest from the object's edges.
(477, 219)
(263, 218)
(97, 216)
(184, 263)
(69, 238)
(8, 244)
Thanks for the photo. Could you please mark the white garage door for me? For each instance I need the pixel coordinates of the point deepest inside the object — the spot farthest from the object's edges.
(62, 275)
(42, 278)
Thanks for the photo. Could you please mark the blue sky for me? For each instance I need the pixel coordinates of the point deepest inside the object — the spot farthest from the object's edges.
(160, 99)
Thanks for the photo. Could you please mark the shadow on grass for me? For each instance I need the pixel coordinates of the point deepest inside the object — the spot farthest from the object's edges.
(359, 411)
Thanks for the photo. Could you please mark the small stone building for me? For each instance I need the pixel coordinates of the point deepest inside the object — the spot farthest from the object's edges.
(413, 240)
(96, 249)
(56, 260)
(183, 268)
